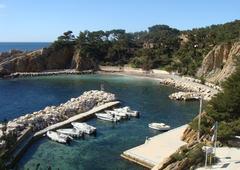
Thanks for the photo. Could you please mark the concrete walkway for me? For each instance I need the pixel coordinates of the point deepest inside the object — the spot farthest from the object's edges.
(229, 159)
(156, 149)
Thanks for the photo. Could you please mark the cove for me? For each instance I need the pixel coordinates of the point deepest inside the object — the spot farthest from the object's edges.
(25, 95)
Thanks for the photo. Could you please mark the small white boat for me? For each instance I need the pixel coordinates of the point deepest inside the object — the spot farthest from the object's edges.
(61, 138)
(117, 113)
(107, 117)
(128, 111)
(71, 132)
(84, 127)
(159, 126)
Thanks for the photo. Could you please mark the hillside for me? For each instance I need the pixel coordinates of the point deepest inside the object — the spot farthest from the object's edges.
(160, 47)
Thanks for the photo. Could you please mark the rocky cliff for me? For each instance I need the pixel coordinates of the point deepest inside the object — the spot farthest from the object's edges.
(219, 63)
(80, 62)
(44, 59)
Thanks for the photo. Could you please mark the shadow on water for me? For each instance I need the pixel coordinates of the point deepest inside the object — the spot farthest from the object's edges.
(103, 151)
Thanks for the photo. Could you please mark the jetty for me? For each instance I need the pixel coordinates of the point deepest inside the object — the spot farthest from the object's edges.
(30, 127)
(49, 73)
(156, 149)
(24, 142)
(78, 117)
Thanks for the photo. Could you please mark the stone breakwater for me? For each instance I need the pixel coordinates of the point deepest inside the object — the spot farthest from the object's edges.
(54, 114)
(48, 73)
(192, 88)
(185, 96)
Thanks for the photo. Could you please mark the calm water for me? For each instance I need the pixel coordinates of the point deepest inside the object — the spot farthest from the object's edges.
(20, 96)
(24, 46)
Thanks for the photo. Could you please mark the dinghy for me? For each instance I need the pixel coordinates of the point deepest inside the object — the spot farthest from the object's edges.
(128, 111)
(120, 114)
(84, 127)
(159, 126)
(107, 117)
(60, 138)
(71, 132)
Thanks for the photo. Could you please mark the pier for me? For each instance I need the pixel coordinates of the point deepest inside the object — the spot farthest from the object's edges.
(26, 140)
(155, 150)
(78, 117)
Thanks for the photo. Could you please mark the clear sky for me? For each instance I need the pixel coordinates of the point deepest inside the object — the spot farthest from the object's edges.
(44, 20)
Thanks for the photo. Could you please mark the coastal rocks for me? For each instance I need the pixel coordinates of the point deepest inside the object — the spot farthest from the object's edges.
(185, 96)
(53, 114)
(36, 61)
(191, 86)
(45, 59)
(12, 53)
(219, 63)
(189, 135)
(59, 59)
(48, 73)
(189, 156)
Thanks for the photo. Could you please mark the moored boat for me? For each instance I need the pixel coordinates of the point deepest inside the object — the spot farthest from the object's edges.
(120, 114)
(71, 132)
(60, 138)
(84, 127)
(107, 117)
(159, 126)
(128, 111)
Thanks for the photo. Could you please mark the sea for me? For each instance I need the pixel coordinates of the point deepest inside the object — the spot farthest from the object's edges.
(25, 95)
(24, 46)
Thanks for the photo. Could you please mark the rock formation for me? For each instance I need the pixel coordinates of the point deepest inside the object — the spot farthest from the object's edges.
(219, 63)
(191, 87)
(44, 59)
(82, 62)
(185, 96)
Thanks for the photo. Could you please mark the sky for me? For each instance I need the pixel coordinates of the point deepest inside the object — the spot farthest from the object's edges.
(45, 20)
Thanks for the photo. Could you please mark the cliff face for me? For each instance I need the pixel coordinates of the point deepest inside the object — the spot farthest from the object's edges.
(39, 60)
(219, 63)
(80, 62)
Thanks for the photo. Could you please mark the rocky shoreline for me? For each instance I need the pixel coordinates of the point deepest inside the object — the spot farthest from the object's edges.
(48, 73)
(53, 114)
(185, 96)
(192, 88)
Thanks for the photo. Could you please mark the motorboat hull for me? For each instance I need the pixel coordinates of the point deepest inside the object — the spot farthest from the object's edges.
(160, 127)
(84, 127)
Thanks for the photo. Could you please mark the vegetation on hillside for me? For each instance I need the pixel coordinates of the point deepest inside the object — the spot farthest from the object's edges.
(159, 47)
(224, 108)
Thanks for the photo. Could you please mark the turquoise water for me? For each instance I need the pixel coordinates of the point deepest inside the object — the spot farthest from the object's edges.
(24, 46)
(20, 96)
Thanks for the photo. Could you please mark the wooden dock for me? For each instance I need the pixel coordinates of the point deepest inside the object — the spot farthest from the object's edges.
(154, 151)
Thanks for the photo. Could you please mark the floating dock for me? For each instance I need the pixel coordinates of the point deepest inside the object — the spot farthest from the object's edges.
(156, 149)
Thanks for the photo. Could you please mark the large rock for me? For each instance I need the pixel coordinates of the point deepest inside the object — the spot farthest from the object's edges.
(60, 59)
(219, 63)
(39, 60)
